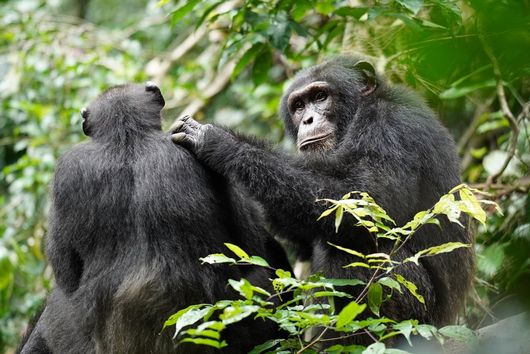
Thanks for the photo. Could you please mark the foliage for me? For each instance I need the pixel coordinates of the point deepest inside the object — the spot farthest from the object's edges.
(227, 61)
(312, 309)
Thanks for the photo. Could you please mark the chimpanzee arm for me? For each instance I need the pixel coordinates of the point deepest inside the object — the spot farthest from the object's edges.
(287, 190)
(66, 221)
(65, 261)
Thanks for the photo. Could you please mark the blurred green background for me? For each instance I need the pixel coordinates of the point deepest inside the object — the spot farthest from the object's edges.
(228, 62)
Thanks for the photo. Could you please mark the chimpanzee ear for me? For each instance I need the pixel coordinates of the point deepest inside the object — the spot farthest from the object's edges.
(370, 78)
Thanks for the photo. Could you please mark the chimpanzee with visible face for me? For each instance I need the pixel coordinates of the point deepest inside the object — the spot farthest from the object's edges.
(354, 133)
(131, 215)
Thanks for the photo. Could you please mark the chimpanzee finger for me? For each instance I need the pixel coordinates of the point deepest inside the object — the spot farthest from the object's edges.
(184, 140)
(177, 127)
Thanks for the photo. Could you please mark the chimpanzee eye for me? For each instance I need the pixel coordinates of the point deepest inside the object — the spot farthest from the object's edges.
(320, 96)
(298, 105)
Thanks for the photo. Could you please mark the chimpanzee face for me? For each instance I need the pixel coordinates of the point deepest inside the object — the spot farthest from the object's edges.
(311, 111)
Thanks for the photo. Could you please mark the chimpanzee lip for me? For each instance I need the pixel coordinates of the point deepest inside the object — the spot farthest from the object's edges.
(314, 139)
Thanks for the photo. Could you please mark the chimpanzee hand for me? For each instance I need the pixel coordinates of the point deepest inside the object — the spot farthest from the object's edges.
(189, 133)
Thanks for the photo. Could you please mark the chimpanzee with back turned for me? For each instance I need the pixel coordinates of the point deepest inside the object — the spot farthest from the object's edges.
(131, 215)
(354, 132)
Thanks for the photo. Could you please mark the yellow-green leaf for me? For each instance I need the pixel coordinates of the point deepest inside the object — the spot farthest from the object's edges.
(347, 250)
(348, 313)
(338, 217)
(411, 287)
(472, 205)
(237, 250)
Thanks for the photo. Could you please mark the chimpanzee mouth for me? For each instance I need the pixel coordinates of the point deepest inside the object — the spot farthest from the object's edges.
(313, 140)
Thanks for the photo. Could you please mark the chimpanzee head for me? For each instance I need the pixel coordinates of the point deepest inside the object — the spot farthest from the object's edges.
(322, 101)
(124, 110)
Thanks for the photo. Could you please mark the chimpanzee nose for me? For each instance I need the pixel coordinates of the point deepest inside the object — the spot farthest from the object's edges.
(308, 120)
(151, 86)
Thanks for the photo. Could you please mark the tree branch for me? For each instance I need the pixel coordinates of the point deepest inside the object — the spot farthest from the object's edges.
(501, 96)
(158, 67)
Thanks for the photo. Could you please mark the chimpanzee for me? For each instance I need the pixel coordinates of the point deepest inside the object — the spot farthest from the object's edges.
(131, 215)
(354, 132)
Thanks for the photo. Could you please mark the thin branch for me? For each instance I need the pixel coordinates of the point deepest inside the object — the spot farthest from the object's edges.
(501, 96)
(212, 90)
(521, 185)
(315, 341)
(158, 67)
(466, 137)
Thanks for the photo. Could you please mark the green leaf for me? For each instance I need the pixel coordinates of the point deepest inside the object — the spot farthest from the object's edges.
(347, 250)
(331, 293)
(472, 206)
(243, 287)
(237, 251)
(206, 341)
(460, 333)
(260, 69)
(426, 331)
(256, 260)
(267, 345)
(375, 297)
(204, 333)
(327, 212)
(355, 12)
(325, 7)
(217, 258)
(341, 349)
(490, 260)
(448, 206)
(357, 264)
(413, 6)
(343, 282)
(349, 313)
(375, 348)
(280, 273)
(207, 12)
(450, 5)
(183, 11)
(390, 283)
(411, 287)
(338, 217)
(431, 251)
(405, 328)
(187, 317)
(455, 92)
(246, 58)
(236, 313)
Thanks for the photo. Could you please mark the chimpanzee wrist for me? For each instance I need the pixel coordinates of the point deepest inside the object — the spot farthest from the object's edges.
(217, 148)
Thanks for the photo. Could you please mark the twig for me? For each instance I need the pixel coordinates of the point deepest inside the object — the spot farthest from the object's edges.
(501, 96)
(213, 89)
(158, 67)
(315, 341)
(521, 185)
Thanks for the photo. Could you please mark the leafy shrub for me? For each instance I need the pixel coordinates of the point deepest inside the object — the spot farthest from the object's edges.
(312, 309)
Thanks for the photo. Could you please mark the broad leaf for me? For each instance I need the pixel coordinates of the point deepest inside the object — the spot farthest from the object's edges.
(237, 251)
(349, 313)
(411, 287)
(375, 297)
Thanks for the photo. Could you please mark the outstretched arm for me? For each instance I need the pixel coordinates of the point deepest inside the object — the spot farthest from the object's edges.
(287, 190)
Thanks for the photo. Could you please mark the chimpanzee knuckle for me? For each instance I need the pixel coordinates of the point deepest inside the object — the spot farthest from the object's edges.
(177, 127)
(178, 137)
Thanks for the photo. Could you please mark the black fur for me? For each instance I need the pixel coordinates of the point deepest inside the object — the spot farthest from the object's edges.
(131, 215)
(389, 144)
